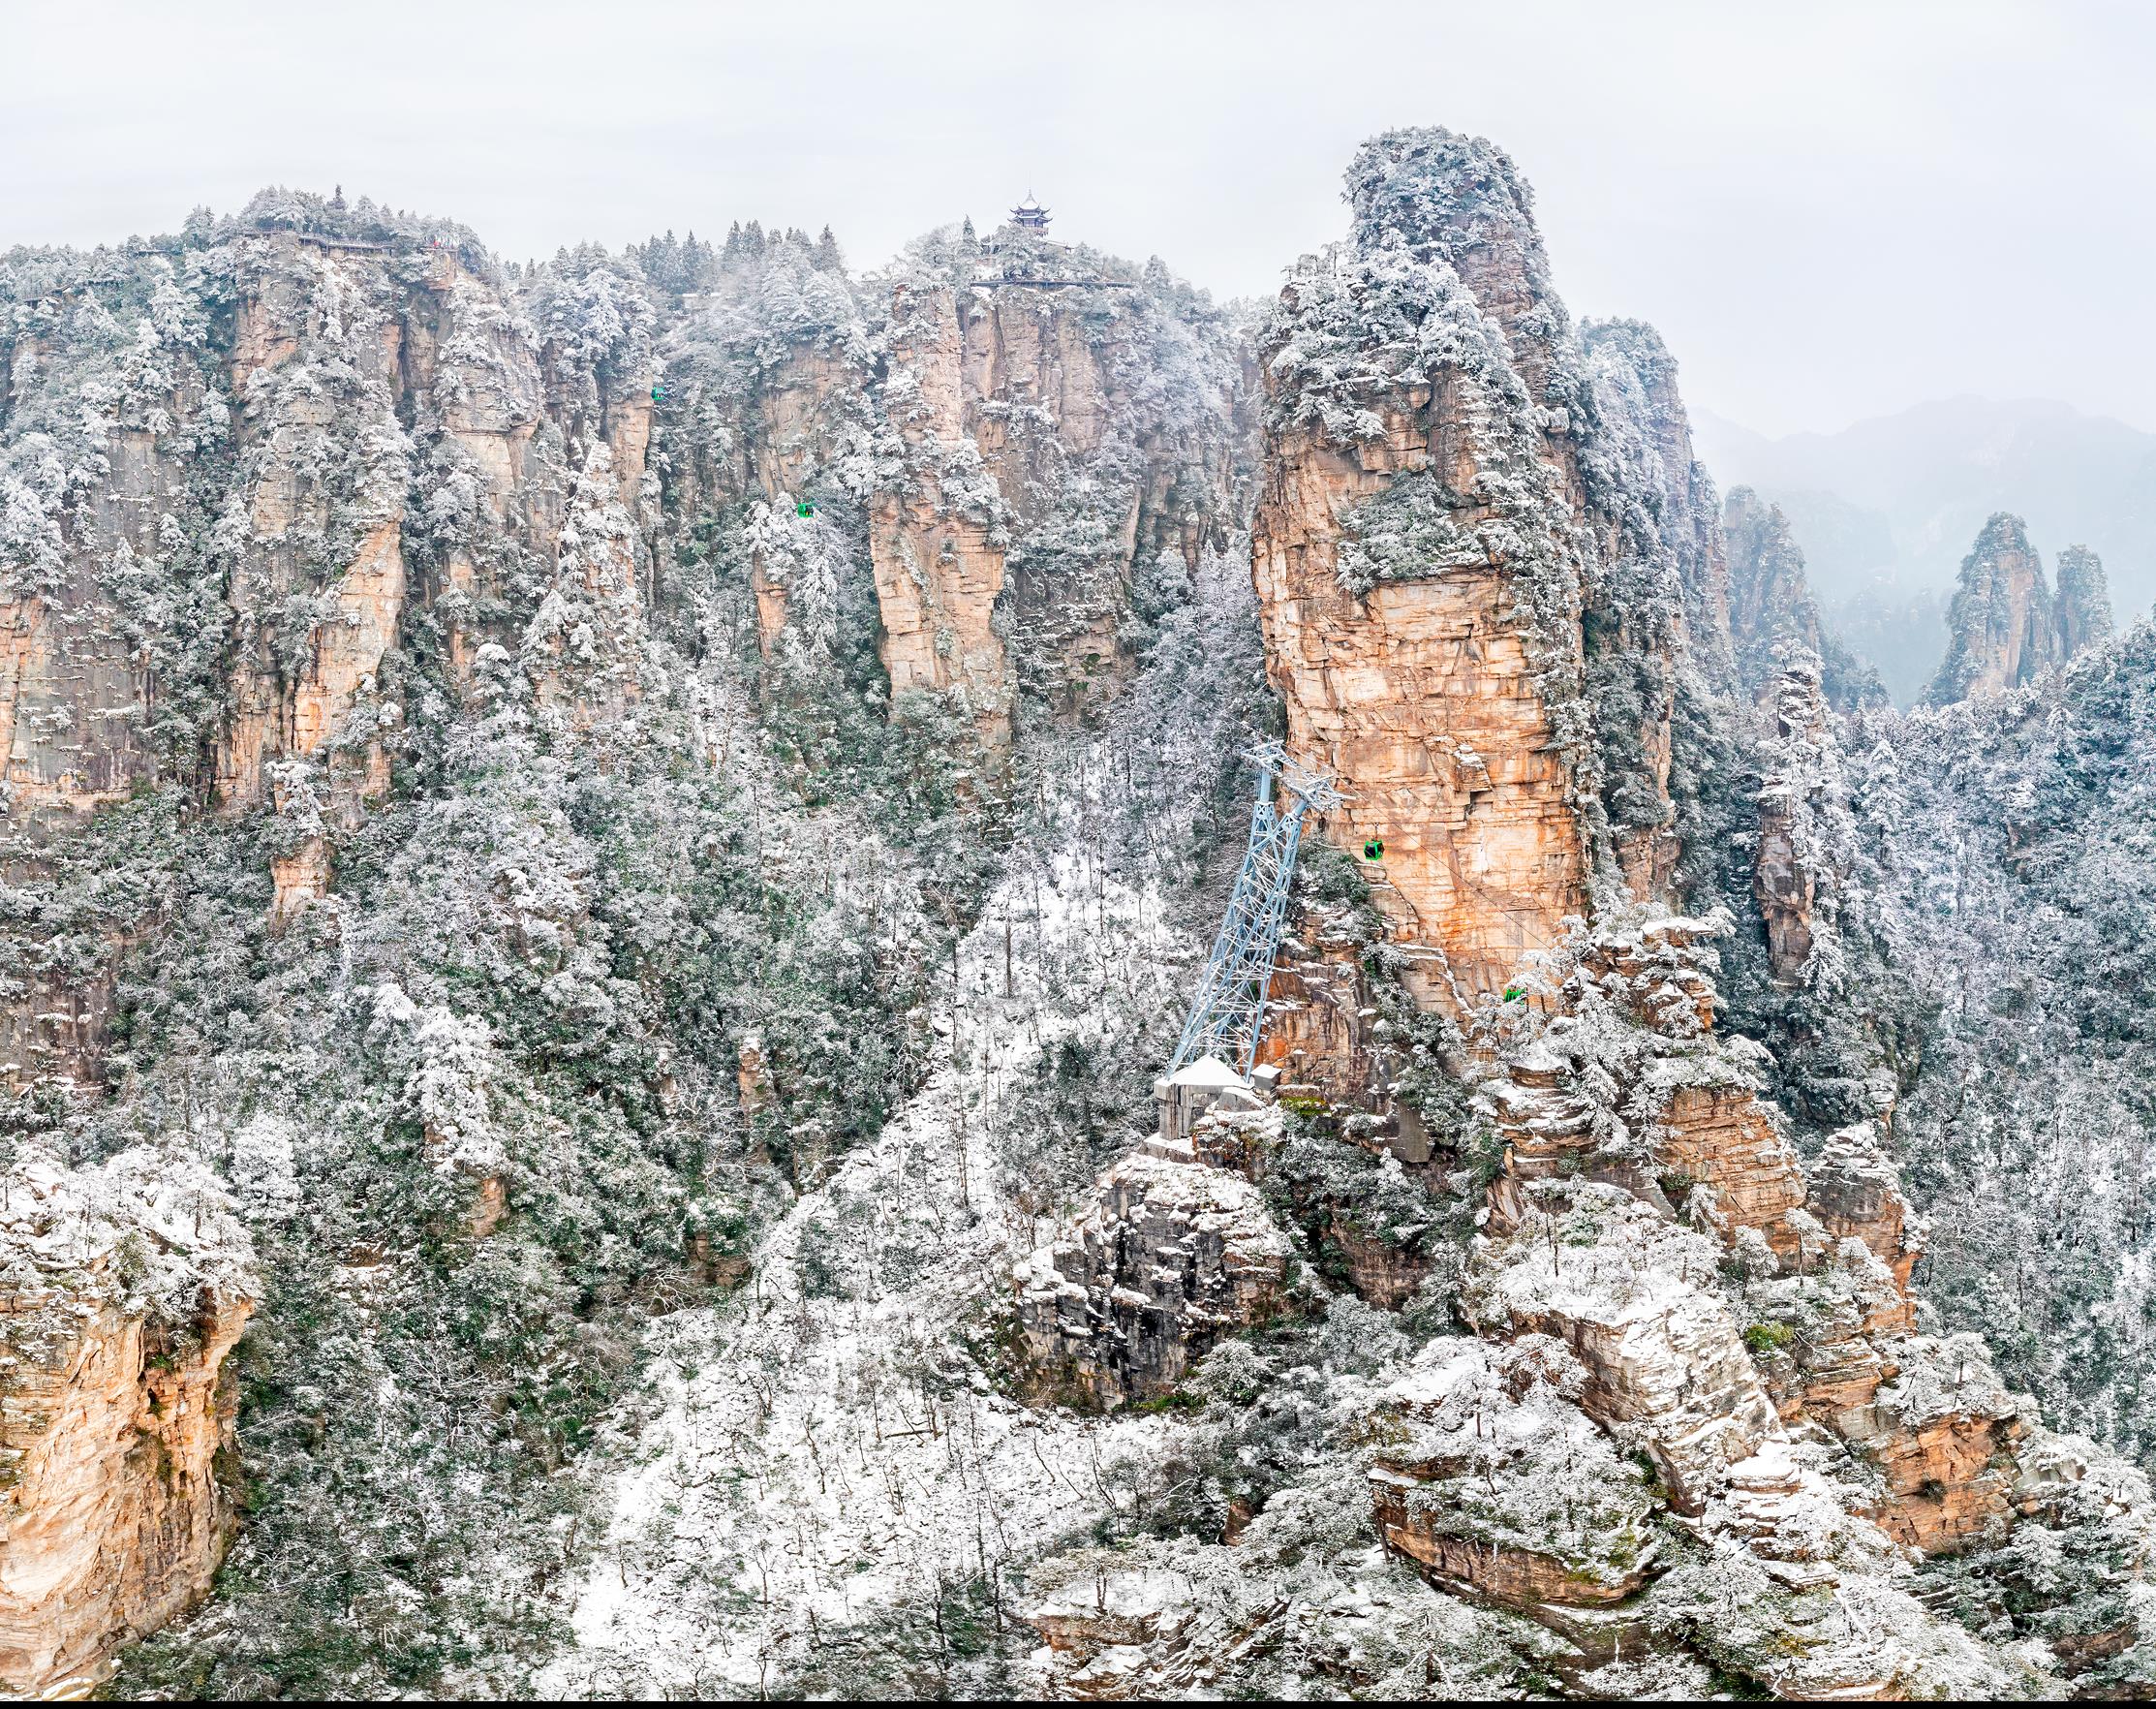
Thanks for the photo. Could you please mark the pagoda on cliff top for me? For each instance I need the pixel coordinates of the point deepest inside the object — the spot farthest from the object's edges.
(1029, 215)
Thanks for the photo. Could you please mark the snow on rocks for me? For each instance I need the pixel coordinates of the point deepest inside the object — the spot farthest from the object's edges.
(825, 1451)
(1630, 1292)
(122, 1287)
(1491, 1478)
(1169, 1258)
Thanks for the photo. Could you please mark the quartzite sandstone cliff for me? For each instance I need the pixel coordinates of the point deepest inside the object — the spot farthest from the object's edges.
(1482, 557)
(128, 1286)
(581, 789)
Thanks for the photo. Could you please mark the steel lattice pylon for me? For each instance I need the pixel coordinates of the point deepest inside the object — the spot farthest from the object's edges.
(1228, 1013)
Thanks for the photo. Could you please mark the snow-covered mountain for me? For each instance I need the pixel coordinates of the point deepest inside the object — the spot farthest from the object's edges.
(1886, 509)
(602, 860)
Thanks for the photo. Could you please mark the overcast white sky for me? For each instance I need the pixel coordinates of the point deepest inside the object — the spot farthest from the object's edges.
(1830, 211)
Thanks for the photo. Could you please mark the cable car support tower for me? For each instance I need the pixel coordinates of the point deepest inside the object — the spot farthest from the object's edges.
(1227, 1015)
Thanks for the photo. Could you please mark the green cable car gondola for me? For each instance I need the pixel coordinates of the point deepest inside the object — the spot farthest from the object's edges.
(1374, 849)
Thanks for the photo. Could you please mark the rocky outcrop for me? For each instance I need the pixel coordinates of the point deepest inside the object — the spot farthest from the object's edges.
(1170, 1257)
(1631, 1295)
(1042, 466)
(1415, 566)
(2082, 607)
(2002, 632)
(332, 346)
(1480, 543)
(327, 458)
(271, 497)
(1718, 1153)
(1478, 618)
(1824, 1338)
(300, 877)
(1670, 1114)
(2006, 628)
(1799, 857)
(1770, 603)
(1633, 1299)
(72, 689)
(1943, 1436)
(999, 462)
(1492, 1479)
(937, 541)
(125, 1287)
(1855, 1194)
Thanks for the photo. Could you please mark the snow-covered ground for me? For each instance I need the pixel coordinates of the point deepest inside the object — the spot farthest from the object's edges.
(827, 1445)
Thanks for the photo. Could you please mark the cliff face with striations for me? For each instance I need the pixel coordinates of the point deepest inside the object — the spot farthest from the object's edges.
(1418, 577)
(1044, 467)
(349, 435)
(127, 1287)
(238, 524)
(1482, 551)
(636, 829)
(938, 541)
(424, 679)
(2002, 632)
(1019, 466)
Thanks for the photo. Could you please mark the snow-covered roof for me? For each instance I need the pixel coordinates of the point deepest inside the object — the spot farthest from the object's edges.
(1205, 1070)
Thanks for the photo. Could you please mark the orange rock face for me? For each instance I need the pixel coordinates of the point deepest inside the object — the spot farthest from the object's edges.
(1034, 477)
(1443, 570)
(300, 877)
(1315, 1029)
(344, 651)
(1421, 701)
(1855, 1194)
(1948, 1481)
(111, 1420)
(114, 1522)
(934, 544)
(1519, 1578)
(1720, 1139)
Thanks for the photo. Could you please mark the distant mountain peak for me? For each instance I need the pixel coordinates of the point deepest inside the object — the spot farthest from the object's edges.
(2006, 626)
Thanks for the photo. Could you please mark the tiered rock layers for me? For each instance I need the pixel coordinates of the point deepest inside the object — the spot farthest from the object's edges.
(1474, 623)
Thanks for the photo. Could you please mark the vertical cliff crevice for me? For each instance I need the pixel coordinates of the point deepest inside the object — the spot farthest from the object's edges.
(2002, 632)
(2083, 604)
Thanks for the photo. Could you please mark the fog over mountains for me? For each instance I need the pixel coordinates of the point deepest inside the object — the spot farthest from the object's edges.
(1886, 509)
